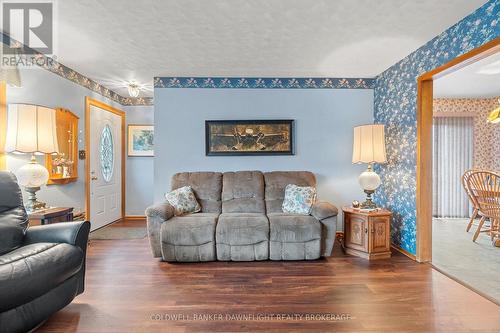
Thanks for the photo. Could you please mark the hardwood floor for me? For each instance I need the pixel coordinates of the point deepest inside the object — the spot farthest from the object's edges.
(129, 291)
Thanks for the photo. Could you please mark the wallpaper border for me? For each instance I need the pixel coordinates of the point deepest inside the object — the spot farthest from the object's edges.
(264, 82)
(53, 66)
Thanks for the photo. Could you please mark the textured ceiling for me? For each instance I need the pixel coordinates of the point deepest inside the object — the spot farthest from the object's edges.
(112, 41)
(478, 80)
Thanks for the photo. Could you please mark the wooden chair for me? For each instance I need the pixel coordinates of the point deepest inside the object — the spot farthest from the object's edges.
(485, 188)
(475, 205)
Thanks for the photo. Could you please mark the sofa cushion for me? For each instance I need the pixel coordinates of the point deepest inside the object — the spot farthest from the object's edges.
(13, 217)
(298, 199)
(207, 187)
(293, 228)
(242, 228)
(276, 183)
(243, 192)
(32, 270)
(193, 229)
(183, 201)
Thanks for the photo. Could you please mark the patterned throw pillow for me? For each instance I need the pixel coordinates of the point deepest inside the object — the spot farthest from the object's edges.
(183, 201)
(298, 199)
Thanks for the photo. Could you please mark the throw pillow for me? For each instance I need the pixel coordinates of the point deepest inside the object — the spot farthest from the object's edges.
(298, 199)
(183, 201)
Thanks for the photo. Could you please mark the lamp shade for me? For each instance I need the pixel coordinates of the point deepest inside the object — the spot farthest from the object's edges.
(31, 129)
(369, 144)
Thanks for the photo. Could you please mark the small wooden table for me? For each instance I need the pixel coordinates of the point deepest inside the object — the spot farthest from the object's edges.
(367, 234)
(51, 215)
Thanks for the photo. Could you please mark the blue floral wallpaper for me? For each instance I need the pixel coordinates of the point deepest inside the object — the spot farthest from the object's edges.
(396, 106)
(263, 83)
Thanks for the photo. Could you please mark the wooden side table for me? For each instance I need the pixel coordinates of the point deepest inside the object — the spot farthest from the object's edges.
(367, 234)
(51, 215)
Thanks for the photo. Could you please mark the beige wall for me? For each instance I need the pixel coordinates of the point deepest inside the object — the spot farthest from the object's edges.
(486, 135)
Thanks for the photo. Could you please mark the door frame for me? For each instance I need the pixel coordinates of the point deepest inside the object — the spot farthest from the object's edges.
(93, 102)
(424, 141)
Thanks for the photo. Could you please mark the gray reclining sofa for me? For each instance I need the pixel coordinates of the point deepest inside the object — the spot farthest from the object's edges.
(241, 220)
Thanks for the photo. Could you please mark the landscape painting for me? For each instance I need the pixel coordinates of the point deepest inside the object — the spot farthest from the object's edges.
(140, 140)
(249, 137)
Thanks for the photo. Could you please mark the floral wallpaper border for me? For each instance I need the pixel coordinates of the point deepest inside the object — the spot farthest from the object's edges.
(63, 71)
(396, 107)
(53, 66)
(263, 83)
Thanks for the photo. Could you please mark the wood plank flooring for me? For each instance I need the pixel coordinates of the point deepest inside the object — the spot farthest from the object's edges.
(129, 291)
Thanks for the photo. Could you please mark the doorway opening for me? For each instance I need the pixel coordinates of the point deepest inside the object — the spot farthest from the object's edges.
(454, 137)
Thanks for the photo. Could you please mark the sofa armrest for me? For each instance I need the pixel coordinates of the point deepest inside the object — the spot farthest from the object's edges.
(162, 210)
(74, 233)
(326, 214)
(155, 216)
(322, 210)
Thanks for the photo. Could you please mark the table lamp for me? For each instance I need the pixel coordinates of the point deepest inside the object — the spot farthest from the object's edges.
(31, 129)
(369, 147)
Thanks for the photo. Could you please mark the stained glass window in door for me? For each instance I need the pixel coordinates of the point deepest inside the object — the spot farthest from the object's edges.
(107, 153)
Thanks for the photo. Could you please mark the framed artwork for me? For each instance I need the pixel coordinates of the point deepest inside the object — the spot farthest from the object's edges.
(249, 137)
(140, 140)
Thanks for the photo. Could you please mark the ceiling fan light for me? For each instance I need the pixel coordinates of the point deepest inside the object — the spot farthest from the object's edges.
(133, 90)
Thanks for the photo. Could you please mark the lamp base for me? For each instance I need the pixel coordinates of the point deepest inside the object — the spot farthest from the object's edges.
(368, 204)
(33, 204)
(369, 181)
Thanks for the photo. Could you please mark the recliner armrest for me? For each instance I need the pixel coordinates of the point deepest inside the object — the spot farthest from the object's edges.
(323, 210)
(162, 210)
(156, 215)
(74, 233)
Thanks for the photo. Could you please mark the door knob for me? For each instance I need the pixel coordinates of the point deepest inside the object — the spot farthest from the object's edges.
(93, 177)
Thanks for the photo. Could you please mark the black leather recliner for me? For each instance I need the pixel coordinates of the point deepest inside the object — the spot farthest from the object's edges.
(42, 268)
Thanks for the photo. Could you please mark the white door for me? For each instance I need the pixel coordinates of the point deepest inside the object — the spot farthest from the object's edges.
(105, 167)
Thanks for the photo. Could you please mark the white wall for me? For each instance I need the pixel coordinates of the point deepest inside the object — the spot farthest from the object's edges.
(324, 121)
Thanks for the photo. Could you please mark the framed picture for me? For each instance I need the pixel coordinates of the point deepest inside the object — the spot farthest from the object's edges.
(140, 140)
(249, 137)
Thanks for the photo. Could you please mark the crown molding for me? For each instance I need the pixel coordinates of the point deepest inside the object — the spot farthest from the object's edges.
(53, 66)
(264, 83)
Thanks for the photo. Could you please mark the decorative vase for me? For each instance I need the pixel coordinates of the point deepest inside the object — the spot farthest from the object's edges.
(66, 172)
